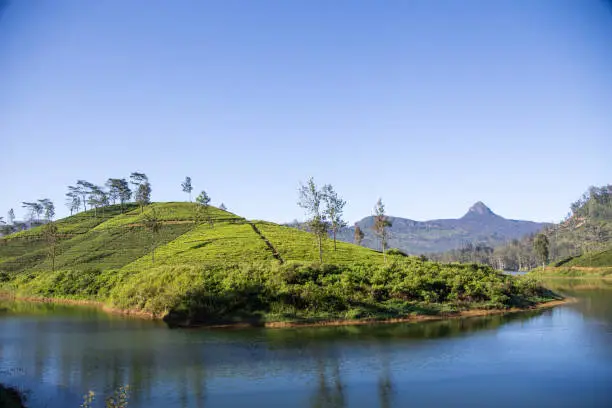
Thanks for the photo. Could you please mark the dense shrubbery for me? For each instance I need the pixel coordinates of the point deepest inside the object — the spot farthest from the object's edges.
(296, 291)
(267, 291)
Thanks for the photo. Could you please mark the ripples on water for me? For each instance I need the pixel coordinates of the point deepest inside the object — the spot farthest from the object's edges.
(558, 357)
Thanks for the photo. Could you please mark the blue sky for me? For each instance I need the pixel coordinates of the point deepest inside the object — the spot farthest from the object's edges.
(432, 104)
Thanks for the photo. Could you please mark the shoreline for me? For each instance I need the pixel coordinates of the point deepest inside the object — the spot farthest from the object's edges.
(280, 324)
(604, 272)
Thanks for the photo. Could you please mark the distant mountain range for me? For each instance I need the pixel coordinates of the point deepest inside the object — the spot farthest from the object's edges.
(478, 225)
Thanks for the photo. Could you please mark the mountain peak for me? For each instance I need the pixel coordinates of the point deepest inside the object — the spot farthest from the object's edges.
(479, 209)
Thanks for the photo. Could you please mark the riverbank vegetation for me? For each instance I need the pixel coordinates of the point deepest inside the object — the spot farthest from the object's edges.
(194, 263)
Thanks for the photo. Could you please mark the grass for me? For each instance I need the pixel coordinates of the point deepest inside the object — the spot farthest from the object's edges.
(295, 245)
(592, 259)
(592, 264)
(240, 271)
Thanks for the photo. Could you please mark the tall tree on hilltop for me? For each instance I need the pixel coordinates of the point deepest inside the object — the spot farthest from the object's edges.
(98, 199)
(203, 209)
(381, 223)
(541, 245)
(11, 217)
(84, 189)
(112, 185)
(310, 200)
(48, 208)
(119, 189)
(143, 189)
(334, 208)
(358, 236)
(125, 193)
(35, 210)
(187, 187)
(73, 200)
(51, 235)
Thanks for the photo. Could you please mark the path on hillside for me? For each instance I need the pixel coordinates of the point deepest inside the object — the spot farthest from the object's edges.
(275, 253)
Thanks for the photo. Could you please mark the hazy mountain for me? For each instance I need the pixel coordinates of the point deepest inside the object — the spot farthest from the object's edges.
(478, 225)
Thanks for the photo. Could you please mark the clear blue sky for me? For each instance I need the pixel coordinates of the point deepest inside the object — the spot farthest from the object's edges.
(432, 105)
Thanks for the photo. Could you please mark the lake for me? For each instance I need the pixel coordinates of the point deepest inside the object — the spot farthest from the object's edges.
(560, 357)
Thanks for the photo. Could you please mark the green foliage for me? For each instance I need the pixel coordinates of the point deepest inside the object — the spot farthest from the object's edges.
(266, 291)
(593, 259)
(231, 273)
(187, 187)
(541, 244)
(311, 199)
(381, 223)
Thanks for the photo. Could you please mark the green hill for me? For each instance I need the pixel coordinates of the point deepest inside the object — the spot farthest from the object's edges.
(159, 261)
(591, 260)
(590, 264)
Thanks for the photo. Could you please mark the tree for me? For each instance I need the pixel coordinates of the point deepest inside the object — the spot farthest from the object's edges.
(11, 217)
(84, 188)
(381, 222)
(153, 225)
(112, 184)
(223, 207)
(73, 200)
(35, 210)
(143, 189)
(203, 209)
(187, 187)
(541, 246)
(97, 199)
(51, 235)
(2, 221)
(334, 207)
(48, 208)
(124, 192)
(143, 195)
(310, 200)
(359, 235)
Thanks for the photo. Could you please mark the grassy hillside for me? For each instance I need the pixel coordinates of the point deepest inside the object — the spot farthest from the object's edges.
(233, 270)
(592, 259)
(591, 264)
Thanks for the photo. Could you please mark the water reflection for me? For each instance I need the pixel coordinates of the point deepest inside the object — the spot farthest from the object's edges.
(61, 352)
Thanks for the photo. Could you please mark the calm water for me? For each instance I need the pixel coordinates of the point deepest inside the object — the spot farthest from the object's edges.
(560, 357)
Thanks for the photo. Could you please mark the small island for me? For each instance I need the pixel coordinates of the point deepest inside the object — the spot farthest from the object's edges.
(194, 264)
